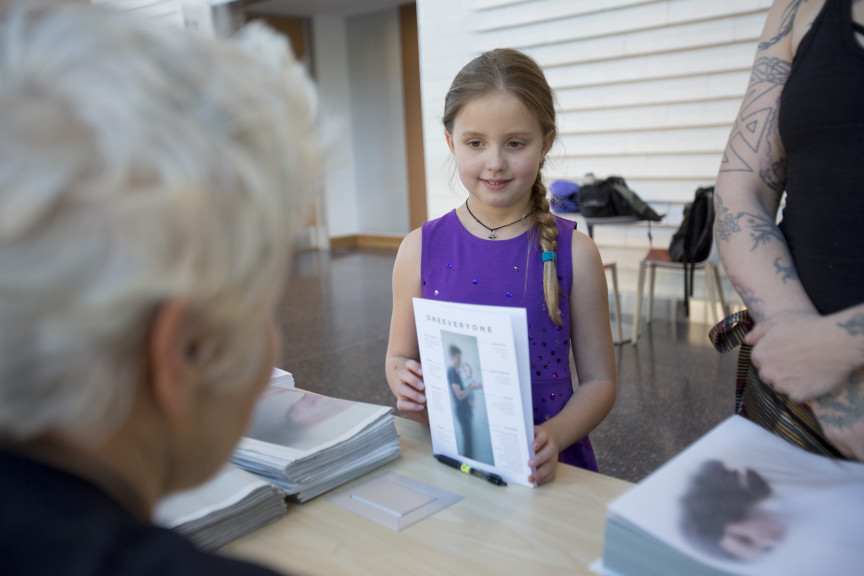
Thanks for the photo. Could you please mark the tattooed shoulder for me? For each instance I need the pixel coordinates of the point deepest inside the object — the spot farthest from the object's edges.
(787, 22)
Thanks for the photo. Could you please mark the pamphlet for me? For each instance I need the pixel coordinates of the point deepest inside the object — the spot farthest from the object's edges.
(478, 385)
(740, 501)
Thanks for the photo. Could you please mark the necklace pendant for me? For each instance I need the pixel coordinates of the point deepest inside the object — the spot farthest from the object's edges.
(492, 235)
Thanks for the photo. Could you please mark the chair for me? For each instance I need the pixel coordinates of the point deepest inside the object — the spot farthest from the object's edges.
(659, 258)
(616, 298)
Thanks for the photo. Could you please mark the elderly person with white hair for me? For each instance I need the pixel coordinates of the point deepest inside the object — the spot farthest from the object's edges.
(150, 181)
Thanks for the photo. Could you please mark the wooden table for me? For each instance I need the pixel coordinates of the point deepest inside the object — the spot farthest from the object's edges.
(553, 529)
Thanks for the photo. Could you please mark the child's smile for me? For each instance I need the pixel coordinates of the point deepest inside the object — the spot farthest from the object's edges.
(496, 184)
(498, 146)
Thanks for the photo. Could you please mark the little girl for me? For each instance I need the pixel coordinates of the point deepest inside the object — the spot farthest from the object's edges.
(503, 247)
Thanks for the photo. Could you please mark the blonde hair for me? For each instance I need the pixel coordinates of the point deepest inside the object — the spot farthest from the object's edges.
(518, 74)
(137, 165)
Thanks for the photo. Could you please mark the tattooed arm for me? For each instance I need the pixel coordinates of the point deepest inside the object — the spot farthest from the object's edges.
(841, 414)
(752, 179)
(799, 352)
(806, 355)
(818, 359)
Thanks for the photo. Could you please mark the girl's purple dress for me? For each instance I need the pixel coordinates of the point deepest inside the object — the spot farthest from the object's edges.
(459, 267)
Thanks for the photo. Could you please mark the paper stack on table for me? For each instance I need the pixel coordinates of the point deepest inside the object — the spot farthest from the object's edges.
(740, 501)
(281, 378)
(298, 446)
(231, 504)
(306, 444)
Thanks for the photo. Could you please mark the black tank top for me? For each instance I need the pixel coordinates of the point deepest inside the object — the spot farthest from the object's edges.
(821, 123)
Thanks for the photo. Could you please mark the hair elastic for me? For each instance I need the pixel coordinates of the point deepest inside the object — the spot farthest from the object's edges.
(547, 256)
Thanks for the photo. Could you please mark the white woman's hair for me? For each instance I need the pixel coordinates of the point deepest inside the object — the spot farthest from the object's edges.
(139, 165)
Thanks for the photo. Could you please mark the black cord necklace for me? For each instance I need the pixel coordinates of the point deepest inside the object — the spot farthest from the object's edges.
(492, 230)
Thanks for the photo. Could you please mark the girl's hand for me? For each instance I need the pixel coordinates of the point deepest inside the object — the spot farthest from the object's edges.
(410, 395)
(544, 463)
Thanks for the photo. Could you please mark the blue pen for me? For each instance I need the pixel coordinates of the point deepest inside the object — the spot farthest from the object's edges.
(468, 469)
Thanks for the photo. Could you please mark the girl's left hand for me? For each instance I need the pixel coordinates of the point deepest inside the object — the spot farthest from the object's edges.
(545, 460)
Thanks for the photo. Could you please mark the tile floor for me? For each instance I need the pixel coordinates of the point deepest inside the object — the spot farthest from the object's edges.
(672, 387)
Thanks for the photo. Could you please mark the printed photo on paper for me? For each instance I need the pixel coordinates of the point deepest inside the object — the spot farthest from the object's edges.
(478, 385)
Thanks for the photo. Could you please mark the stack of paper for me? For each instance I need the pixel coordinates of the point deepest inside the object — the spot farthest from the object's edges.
(231, 504)
(300, 445)
(281, 378)
(306, 444)
(740, 501)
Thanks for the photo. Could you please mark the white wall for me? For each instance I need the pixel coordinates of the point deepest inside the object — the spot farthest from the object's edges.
(377, 108)
(331, 73)
(358, 68)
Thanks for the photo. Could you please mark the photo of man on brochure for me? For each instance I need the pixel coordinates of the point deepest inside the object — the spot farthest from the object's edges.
(467, 400)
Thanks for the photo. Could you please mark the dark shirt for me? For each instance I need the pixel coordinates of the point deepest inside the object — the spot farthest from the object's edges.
(463, 407)
(55, 523)
(821, 122)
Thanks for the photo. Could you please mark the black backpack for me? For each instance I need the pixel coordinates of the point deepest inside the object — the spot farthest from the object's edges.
(692, 242)
(612, 197)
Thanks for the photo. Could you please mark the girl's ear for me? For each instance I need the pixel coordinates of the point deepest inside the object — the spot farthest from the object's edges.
(548, 140)
(450, 143)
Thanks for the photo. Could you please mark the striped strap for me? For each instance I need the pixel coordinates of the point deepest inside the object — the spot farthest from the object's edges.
(759, 402)
(726, 336)
(730, 332)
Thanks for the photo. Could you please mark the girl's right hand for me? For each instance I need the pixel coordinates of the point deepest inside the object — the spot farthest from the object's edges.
(410, 392)
(545, 460)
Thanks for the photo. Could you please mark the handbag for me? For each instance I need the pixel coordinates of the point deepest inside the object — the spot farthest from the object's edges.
(760, 403)
(595, 200)
(612, 197)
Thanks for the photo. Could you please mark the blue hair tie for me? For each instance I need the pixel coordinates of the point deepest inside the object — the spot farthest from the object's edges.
(547, 256)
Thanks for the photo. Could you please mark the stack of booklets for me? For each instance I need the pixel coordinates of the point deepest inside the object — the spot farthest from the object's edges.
(306, 444)
(231, 504)
(740, 500)
(281, 378)
(299, 445)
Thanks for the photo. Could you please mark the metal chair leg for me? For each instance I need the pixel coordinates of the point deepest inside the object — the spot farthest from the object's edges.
(638, 313)
(616, 300)
(712, 297)
(653, 276)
